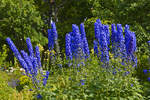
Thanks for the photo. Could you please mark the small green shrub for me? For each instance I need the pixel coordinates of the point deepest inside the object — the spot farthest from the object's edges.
(92, 82)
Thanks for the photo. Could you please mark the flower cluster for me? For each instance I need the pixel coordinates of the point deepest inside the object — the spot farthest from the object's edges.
(102, 37)
(68, 47)
(52, 36)
(85, 42)
(130, 43)
(76, 44)
(31, 63)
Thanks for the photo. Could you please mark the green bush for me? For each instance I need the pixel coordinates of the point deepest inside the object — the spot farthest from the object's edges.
(92, 82)
(20, 19)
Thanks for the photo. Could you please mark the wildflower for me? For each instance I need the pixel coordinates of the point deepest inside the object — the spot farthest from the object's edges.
(96, 48)
(50, 39)
(37, 53)
(30, 48)
(44, 81)
(145, 71)
(28, 61)
(131, 85)
(104, 47)
(68, 47)
(85, 43)
(106, 29)
(30, 90)
(97, 31)
(17, 54)
(121, 42)
(54, 31)
(39, 96)
(148, 79)
(82, 82)
(76, 45)
(114, 39)
(148, 43)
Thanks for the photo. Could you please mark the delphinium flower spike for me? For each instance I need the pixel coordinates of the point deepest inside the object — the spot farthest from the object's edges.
(30, 48)
(28, 61)
(104, 47)
(96, 51)
(37, 53)
(121, 43)
(114, 40)
(77, 44)
(106, 28)
(17, 54)
(85, 42)
(68, 47)
(50, 40)
(97, 31)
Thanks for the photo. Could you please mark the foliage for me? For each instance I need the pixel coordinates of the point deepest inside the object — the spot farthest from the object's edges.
(20, 19)
(3, 55)
(9, 93)
(134, 13)
(91, 82)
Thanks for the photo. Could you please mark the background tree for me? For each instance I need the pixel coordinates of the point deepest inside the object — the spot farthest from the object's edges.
(20, 19)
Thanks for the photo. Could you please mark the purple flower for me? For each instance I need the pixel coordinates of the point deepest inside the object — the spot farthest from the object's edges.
(17, 54)
(96, 47)
(121, 42)
(82, 82)
(39, 96)
(97, 31)
(30, 48)
(104, 47)
(114, 40)
(28, 61)
(145, 71)
(106, 29)
(84, 41)
(68, 47)
(50, 39)
(148, 42)
(37, 53)
(148, 79)
(76, 45)
(44, 81)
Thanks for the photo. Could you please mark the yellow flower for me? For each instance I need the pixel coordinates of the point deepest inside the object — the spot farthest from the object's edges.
(40, 47)
(92, 51)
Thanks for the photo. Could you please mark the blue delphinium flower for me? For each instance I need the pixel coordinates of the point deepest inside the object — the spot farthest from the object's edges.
(96, 51)
(68, 47)
(39, 96)
(114, 40)
(130, 42)
(82, 82)
(46, 78)
(28, 61)
(121, 42)
(85, 42)
(145, 71)
(37, 54)
(148, 79)
(50, 39)
(17, 54)
(97, 31)
(30, 48)
(148, 43)
(35, 65)
(54, 31)
(104, 47)
(106, 29)
(77, 43)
